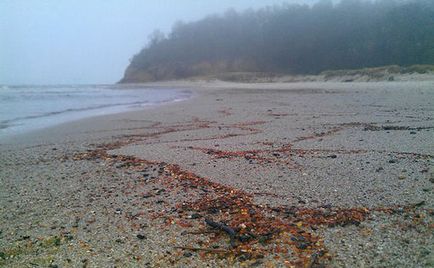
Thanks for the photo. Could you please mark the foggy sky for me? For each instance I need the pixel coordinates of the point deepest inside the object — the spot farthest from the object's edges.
(90, 42)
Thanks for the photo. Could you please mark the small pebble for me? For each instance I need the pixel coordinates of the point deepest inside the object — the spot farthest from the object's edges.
(141, 236)
(195, 216)
(188, 254)
(302, 245)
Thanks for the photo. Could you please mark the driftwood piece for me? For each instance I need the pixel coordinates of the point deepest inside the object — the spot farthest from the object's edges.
(221, 226)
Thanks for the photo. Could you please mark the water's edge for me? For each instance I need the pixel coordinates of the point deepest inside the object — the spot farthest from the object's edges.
(142, 98)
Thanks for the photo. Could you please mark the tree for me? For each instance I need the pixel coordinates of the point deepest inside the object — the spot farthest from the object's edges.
(295, 39)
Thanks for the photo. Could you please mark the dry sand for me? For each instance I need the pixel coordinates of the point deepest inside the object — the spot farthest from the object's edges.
(304, 174)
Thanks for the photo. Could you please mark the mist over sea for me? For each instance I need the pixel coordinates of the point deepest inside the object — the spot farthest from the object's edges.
(25, 108)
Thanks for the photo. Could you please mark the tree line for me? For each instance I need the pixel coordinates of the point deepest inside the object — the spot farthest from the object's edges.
(288, 38)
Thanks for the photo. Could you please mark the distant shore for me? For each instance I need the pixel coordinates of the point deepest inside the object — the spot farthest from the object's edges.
(312, 173)
(375, 74)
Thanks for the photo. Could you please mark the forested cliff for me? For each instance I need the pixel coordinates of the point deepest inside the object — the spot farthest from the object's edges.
(294, 39)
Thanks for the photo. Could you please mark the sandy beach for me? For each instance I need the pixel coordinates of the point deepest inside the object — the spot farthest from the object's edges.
(257, 174)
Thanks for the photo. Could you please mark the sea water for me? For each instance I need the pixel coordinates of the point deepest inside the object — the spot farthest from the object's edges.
(25, 108)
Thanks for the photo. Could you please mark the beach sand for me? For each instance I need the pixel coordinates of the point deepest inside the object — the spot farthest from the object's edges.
(286, 174)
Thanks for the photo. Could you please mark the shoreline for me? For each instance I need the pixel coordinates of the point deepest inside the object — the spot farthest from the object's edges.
(200, 87)
(71, 115)
(320, 173)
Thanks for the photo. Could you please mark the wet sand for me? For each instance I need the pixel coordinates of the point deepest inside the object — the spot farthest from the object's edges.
(279, 174)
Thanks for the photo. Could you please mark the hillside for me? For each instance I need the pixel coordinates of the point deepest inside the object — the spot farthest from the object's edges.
(291, 39)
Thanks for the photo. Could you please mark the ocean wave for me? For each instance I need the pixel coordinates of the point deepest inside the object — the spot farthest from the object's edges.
(28, 108)
(82, 109)
(3, 125)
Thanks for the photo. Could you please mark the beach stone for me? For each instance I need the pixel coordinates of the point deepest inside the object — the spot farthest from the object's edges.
(244, 257)
(188, 254)
(302, 245)
(419, 204)
(379, 169)
(244, 238)
(158, 192)
(401, 177)
(213, 210)
(195, 216)
(141, 236)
